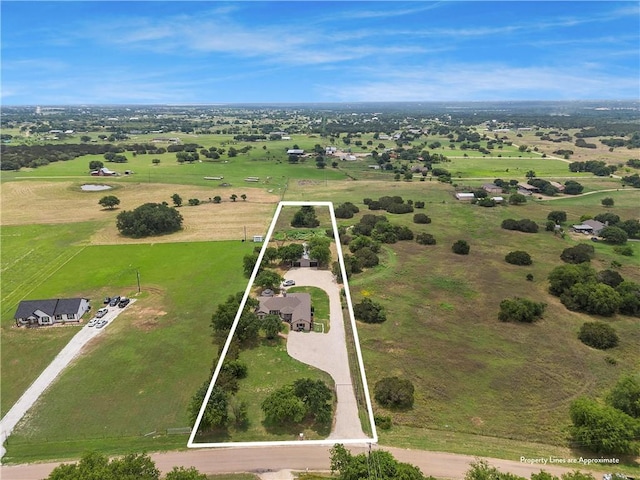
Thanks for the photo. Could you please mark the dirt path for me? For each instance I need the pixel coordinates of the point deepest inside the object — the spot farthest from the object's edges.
(49, 374)
(276, 463)
(328, 352)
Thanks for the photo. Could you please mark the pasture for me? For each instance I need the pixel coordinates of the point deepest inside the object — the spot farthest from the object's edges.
(475, 377)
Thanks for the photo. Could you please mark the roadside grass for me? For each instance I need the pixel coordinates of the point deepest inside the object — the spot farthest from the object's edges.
(269, 368)
(320, 303)
(139, 376)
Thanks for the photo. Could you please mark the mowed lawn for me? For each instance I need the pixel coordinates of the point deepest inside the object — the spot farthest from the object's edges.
(140, 374)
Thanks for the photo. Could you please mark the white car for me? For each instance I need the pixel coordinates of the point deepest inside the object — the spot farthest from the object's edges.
(102, 312)
(288, 283)
(93, 322)
(101, 323)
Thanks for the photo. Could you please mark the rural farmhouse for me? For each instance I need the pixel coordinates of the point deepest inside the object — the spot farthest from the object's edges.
(48, 312)
(293, 308)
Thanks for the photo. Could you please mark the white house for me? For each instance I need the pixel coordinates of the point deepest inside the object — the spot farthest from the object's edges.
(48, 312)
(465, 196)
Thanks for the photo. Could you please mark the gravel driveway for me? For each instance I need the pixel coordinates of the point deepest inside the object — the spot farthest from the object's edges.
(328, 352)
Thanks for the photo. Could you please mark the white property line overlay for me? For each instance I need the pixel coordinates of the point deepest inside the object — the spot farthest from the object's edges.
(374, 438)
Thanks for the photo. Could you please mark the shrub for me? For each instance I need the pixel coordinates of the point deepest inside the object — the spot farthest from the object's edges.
(524, 225)
(598, 335)
(383, 422)
(194, 201)
(461, 247)
(369, 311)
(614, 235)
(367, 258)
(421, 218)
(557, 216)
(520, 310)
(518, 257)
(394, 392)
(517, 199)
(425, 239)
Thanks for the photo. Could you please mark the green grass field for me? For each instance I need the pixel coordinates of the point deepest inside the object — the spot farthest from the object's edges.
(482, 386)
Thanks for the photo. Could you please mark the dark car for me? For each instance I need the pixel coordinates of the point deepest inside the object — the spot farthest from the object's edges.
(124, 301)
(106, 300)
(114, 301)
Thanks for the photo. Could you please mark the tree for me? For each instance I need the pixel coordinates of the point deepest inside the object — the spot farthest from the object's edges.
(94, 466)
(518, 257)
(283, 407)
(530, 173)
(571, 187)
(248, 264)
(614, 235)
(95, 165)
(243, 197)
(268, 279)
(625, 396)
(520, 310)
(369, 311)
(320, 253)
(182, 473)
(394, 392)
(233, 197)
(177, 199)
(290, 253)
(316, 396)
(461, 247)
(421, 218)
(149, 219)
(517, 199)
(598, 335)
(607, 202)
(110, 202)
(603, 429)
(156, 161)
(271, 326)
(215, 414)
(557, 216)
(562, 278)
(580, 253)
(217, 199)
(305, 217)
(194, 202)
(345, 466)
(367, 258)
(346, 210)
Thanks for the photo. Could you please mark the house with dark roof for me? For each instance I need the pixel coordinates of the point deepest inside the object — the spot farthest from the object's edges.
(491, 188)
(293, 308)
(48, 312)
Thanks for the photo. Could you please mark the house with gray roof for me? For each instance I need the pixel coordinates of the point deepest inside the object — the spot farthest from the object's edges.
(293, 308)
(589, 227)
(50, 311)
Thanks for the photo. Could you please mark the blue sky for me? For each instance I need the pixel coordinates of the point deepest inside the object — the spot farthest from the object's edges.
(313, 51)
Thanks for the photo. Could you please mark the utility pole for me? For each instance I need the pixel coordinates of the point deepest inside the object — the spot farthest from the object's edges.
(138, 277)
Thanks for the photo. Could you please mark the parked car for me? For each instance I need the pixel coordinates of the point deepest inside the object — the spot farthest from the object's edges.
(101, 323)
(124, 301)
(114, 301)
(102, 312)
(106, 300)
(288, 283)
(267, 292)
(93, 322)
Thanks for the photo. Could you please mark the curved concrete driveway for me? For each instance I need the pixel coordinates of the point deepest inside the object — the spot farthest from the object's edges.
(328, 352)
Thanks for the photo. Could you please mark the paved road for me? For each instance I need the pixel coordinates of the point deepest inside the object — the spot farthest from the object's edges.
(49, 374)
(298, 458)
(328, 352)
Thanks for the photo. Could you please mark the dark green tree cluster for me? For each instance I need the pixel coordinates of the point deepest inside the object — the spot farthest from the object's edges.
(517, 199)
(303, 400)
(346, 466)
(305, 218)
(518, 257)
(394, 393)
(425, 239)
(633, 180)
(571, 187)
(248, 324)
(346, 210)
(580, 288)
(369, 311)
(525, 225)
(544, 186)
(421, 218)
(597, 167)
(581, 253)
(391, 204)
(148, 220)
(519, 309)
(129, 467)
(481, 470)
(612, 427)
(319, 250)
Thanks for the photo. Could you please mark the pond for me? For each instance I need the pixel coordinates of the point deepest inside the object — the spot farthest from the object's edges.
(95, 188)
